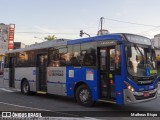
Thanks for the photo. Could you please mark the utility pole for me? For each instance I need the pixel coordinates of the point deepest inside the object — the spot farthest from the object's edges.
(102, 31)
(101, 21)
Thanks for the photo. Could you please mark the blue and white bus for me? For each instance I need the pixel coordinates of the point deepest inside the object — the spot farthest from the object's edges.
(115, 68)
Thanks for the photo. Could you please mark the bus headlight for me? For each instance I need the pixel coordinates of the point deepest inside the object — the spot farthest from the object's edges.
(130, 88)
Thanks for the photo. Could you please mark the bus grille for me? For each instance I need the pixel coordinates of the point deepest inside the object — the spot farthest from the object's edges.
(145, 81)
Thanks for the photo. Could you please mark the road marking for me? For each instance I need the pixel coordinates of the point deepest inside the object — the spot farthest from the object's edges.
(39, 109)
(90, 118)
(6, 90)
(74, 118)
(10, 90)
(24, 106)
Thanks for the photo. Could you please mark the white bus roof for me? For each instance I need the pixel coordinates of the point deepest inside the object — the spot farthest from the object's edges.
(46, 44)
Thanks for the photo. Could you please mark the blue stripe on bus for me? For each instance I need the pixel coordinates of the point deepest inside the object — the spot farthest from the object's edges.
(31, 80)
(28, 80)
(56, 82)
(93, 39)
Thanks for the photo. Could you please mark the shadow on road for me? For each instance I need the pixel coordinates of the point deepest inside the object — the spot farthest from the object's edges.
(100, 105)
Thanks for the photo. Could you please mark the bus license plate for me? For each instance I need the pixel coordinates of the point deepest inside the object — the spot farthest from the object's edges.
(146, 94)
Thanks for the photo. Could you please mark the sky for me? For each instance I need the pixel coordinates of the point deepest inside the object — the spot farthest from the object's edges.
(36, 19)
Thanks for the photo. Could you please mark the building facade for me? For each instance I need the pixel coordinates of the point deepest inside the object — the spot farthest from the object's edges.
(6, 41)
(18, 45)
(156, 43)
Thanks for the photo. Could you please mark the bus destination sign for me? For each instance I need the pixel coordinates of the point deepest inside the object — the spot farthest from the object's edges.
(138, 39)
(107, 43)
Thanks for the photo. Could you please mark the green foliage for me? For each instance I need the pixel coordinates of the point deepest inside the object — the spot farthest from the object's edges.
(50, 37)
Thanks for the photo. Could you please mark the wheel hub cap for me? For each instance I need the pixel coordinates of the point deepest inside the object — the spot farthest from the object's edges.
(84, 94)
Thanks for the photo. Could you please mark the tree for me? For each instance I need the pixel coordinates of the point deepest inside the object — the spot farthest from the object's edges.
(50, 37)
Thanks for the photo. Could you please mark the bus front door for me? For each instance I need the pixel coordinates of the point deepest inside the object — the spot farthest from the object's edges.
(41, 75)
(11, 72)
(107, 73)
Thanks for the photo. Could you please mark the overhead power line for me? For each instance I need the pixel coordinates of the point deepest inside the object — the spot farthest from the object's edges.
(134, 23)
(131, 22)
(151, 30)
(50, 33)
(44, 33)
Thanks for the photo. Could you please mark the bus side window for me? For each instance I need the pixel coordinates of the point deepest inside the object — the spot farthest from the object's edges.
(118, 59)
(69, 55)
(88, 54)
(31, 58)
(112, 59)
(62, 56)
(74, 59)
(57, 57)
(53, 57)
(18, 62)
(22, 59)
(75, 55)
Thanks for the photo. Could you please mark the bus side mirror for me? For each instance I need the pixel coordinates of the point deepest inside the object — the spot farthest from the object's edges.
(129, 51)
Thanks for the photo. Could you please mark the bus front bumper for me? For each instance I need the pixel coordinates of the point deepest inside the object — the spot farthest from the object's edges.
(137, 97)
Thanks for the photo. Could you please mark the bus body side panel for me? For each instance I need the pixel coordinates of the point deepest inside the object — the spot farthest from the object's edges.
(6, 77)
(120, 78)
(56, 80)
(119, 89)
(82, 74)
(28, 73)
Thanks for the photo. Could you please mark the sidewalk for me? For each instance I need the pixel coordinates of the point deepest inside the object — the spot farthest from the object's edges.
(6, 86)
(2, 82)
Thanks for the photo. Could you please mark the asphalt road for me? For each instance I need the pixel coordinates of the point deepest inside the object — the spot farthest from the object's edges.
(13, 100)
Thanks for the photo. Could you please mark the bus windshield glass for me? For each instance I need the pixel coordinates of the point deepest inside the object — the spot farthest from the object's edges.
(141, 62)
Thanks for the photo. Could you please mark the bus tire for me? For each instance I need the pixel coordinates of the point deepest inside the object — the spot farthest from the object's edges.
(84, 96)
(25, 88)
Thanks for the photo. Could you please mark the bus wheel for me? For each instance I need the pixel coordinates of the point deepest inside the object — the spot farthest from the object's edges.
(25, 88)
(84, 96)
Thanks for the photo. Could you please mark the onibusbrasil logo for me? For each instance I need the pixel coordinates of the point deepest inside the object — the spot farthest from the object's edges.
(21, 115)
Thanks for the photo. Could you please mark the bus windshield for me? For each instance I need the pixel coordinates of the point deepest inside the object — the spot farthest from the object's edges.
(141, 62)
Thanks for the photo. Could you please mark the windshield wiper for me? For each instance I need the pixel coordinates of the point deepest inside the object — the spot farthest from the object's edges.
(137, 48)
(143, 58)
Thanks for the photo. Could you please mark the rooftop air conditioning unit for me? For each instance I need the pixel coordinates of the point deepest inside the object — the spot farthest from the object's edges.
(102, 32)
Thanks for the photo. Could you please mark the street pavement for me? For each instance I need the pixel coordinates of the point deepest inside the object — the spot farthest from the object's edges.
(13, 100)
